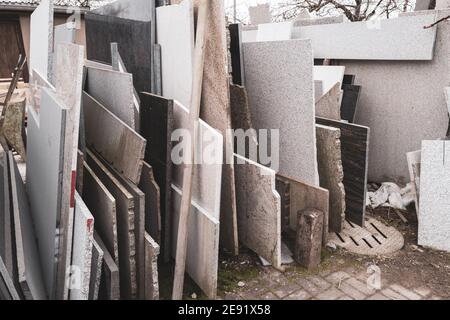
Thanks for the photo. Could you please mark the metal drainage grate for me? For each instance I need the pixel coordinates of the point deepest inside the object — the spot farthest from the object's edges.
(374, 239)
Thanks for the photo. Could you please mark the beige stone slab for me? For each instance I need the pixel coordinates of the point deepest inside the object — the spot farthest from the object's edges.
(329, 75)
(331, 173)
(13, 126)
(202, 255)
(329, 105)
(116, 142)
(109, 282)
(102, 205)
(151, 268)
(96, 270)
(125, 226)
(259, 209)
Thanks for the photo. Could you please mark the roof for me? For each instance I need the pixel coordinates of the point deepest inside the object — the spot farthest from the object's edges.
(30, 5)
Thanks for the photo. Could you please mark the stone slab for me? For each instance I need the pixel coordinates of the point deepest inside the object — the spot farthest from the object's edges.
(115, 91)
(63, 33)
(402, 39)
(308, 240)
(96, 270)
(83, 234)
(318, 89)
(109, 282)
(41, 38)
(152, 193)
(413, 159)
(119, 144)
(202, 255)
(329, 105)
(157, 121)
(102, 205)
(304, 196)
(350, 100)
(260, 13)
(134, 39)
(434, 222)
(7, 289)
(259, 209)
(151, 268)
(331, 173)
(278, 31)
(329, 75)
(237, 64)
(424, 5)
(29, 272)
(14, 125)
(125, 226)
(6, 241)
(355, 158)
(270, 81)
(175, 33)
(321, 20)
(447, 97)
(127, 9)
(349, 79)
(284, 190)
(45, 162)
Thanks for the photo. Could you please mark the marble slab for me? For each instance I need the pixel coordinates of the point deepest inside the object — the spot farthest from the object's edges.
(350, 100)
(355, 160)
(29, 272)
(259, 209)
(109, 282)
(96, 270)
(118, 143)
(329, 105)
(329, 75)
(331, 173)
(83, 233)
(402, 38)
(271, 81)
(434, 221)
(175, 34)
(278, 31)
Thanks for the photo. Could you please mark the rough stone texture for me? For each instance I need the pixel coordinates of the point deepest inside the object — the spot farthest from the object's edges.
(41, 38)
(303, 197)
(413, 159)
(331, 173)
(402, 38)
(399, 122)
(274, 31)
(119, 144)
(13, 126)
(96, 270)
(109, 282)
(354, 155)
(434, 222)
(329, 105)
(45, 147)
(329, 75)
(237, 63)
(271, 81)
(260, 13)
(151, 268)
(175, 29)
(308, 241)
(29, 272)
(125, 226)
(102, 205)
(202, 255)
(83, 233)
(114, 90)
(349, 103)
(152, 193)
(157, 121)
(259, 209)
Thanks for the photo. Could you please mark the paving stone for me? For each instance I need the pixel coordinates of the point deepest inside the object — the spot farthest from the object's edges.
(405, 292)
(423, 291)
(319, 282)
(433, 297)
(298, 295)
(330, 294)
(359, 285)
(308, 286)
(286, 290)
(345, 298)
(269, 296)
(378, 296)
(351, 291)
(337, 277)
(232, 296)
(392, 294)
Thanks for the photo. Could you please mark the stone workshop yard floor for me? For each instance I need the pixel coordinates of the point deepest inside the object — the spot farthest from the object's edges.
(413, 273)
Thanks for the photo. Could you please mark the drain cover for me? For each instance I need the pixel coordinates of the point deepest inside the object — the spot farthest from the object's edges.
(374, 239)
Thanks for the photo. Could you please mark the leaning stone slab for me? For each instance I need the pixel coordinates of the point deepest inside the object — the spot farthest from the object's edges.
(109, 282)
(96, 270)
(329, 105)
(151, 268)
(308, 240)
(41, 38)
(414, 161)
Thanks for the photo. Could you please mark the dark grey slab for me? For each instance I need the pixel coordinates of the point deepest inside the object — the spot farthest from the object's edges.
(152, 192)
(349, 102)
(157, 122)
(5, 213)
(349, 79)
(7, 289)
(109, 281)
(134, 39)
(355, 158)
(237, 64)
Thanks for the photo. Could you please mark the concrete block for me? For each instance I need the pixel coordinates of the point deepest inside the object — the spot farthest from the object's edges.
(29, 272)
(270, 81)
(414, 161)
(402, 38)
(175, 29)
(274, 31)
(329, 75)
(434, 222)
(152, 193)
(259, 209)
(83, 233)
(331, 173)
(260, 13)
(109, 282)
(119, 144)
(96, 270)
(151, 268)
(329, 105)
(41, 38)
(115, 91)
(308, 241)
(355, 157)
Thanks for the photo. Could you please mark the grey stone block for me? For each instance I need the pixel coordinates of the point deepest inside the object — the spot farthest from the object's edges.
(308, 242)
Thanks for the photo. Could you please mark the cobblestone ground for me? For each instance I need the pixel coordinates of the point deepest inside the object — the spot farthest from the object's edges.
(351, 284)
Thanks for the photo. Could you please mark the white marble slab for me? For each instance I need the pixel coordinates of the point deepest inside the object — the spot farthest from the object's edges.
(274, 31)
(329, 75)
(41, 38)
